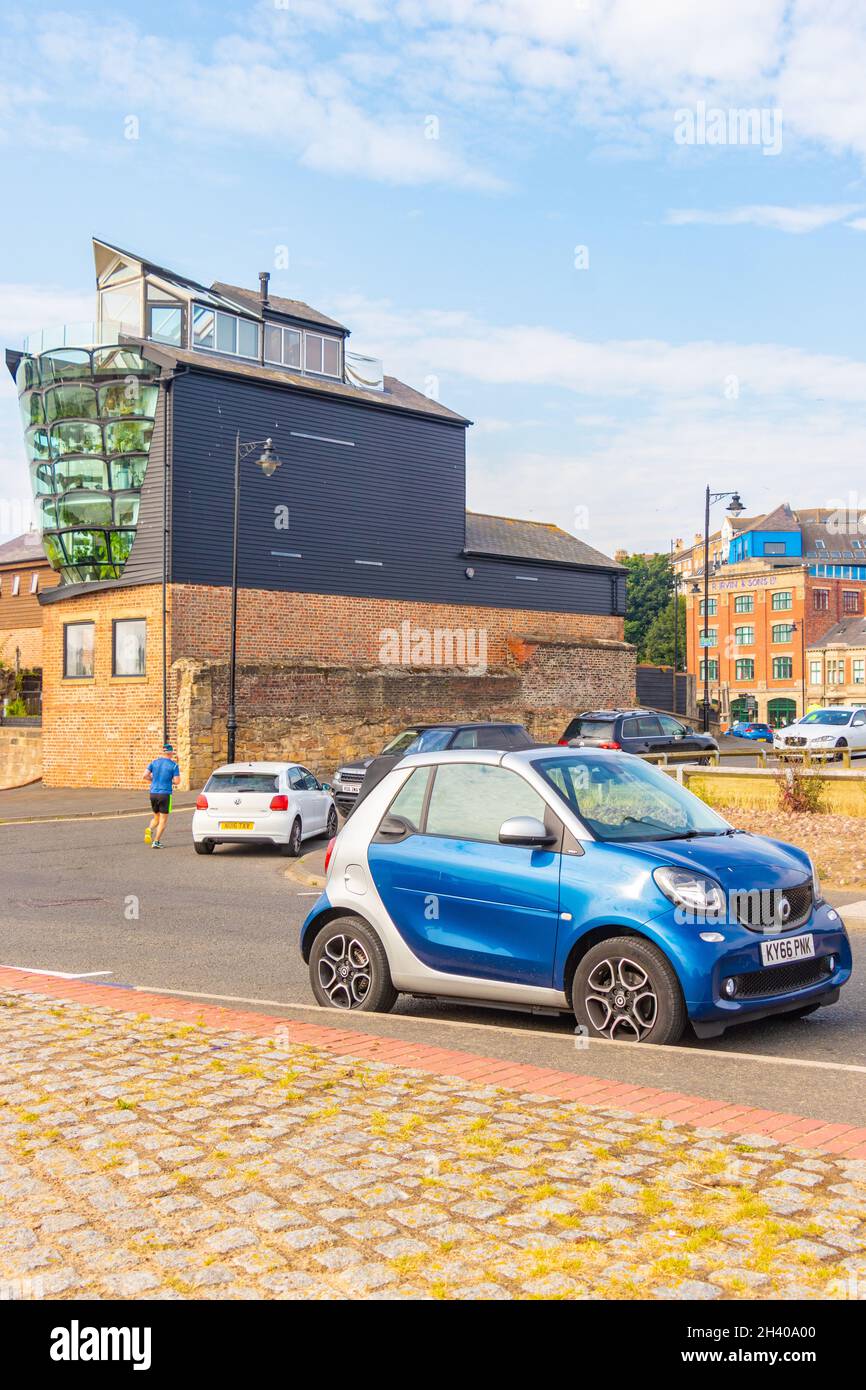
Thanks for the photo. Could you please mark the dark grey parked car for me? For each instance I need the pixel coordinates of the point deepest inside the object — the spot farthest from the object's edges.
(355, 779)
(636, 731)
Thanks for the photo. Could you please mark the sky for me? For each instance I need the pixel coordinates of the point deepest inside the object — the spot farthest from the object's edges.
(627, 240)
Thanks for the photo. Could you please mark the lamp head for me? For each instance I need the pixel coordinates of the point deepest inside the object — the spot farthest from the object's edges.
(268, 463)
(735, 506)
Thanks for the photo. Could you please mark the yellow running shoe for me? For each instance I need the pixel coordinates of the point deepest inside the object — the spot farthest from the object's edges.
(147, 836)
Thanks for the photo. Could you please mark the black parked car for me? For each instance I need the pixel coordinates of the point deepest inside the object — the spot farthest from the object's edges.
(355, 779)
(637, 731)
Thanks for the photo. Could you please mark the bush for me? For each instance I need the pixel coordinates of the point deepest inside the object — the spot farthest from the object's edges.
(801, 791)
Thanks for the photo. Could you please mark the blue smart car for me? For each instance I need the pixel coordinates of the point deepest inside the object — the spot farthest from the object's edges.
(570, 879)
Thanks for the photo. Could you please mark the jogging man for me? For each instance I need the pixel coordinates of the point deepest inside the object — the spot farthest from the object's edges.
(163, 774)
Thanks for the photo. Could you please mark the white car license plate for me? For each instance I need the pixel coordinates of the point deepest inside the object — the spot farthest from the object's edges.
(237, 825)
(790, 948)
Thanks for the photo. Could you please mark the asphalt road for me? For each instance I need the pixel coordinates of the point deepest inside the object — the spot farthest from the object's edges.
(88, 897)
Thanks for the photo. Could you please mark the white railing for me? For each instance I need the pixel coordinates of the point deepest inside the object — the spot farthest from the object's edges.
(75, 335)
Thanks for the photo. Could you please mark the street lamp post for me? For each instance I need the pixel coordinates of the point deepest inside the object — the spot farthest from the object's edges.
(735, 507)
(676, 581)
(269, 463)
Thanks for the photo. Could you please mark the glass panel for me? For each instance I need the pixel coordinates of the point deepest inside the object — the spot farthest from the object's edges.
(130, 437)
(30, 406)
(78, 656)
(70, 403)
(42, 476)
(84, 509)
(203, 327)
(46, 513)
(53, 548)
(126, 510)
(38, 444)
(248, 338)
(273, 344)
(76, 439)
(28, 374)
(165, 324)
(128, 398)
(130, 636)
(121, 544)
(121, 361)
(74, 473)
(332, 367)
(84, 546)
(312, 352)
(65, 364)
(227, 333)
(291, 348)
(128, 472)
(123, 306)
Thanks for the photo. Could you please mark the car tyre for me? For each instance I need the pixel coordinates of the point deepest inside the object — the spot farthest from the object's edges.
(292, 847)
(203, 846)
(349, 968)
(333, 823)
(625, 989)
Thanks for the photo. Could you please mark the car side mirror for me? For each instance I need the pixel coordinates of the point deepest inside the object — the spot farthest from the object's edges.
(525, 830)
(394, 828)
(326, 787)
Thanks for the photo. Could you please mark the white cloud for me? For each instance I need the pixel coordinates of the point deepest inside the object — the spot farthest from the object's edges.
(808, 218)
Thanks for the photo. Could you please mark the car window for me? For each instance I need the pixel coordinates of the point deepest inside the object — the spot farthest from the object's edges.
(858, 720)
(309, 783)
(672, 727)
(296, 779)
(593, 728)
(470, 801)
(401, 742)
(629, 728)
(466, 738)
(431, 741)
(409, 801)
(626, 799)
(648, 726)
(242, 782)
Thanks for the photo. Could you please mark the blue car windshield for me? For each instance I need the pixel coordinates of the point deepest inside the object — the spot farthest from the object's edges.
(622, 798)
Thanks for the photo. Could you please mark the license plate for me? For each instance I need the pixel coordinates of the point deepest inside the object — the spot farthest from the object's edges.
(790, 948)
(237, 825)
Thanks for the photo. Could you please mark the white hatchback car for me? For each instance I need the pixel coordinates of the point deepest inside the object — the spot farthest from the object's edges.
(829, 730)
(262, 803)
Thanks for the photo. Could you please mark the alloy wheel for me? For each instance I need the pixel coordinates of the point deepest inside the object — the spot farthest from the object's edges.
(620, 1000)
(345, 972)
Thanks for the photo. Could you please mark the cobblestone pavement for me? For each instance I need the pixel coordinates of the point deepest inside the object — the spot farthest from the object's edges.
(152, 1159)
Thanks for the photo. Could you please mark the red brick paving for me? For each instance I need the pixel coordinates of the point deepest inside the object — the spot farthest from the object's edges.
(591, 1091)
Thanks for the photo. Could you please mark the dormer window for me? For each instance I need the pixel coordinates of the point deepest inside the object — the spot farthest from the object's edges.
(283, 346)
(227, 333)
(321, 354)
(316, 352)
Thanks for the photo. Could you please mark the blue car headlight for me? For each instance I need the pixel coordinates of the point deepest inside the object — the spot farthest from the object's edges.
(693, 892)
(817, 895)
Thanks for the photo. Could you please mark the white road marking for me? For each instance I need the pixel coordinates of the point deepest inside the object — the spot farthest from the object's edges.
(88, 817)
(59, 974)
(487, 1028)
(315, 894)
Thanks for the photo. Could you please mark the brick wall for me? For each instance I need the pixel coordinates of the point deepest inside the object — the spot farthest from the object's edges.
(335, 630)
(26, 640)
(101, 732)
(311, 685)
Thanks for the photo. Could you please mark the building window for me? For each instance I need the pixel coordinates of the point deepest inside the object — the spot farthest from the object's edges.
(712, 673)
(708, 612)
(34, 582)
(822, 600)
(836, 672)
(129, 646)
(744, 636)
(165, 324)
(283, 346)
(224, 332)
(781, 600)
(745, 668)
(774, 547)
(708, 636)
(783, 668)
(783, 632)
(814, 673)
(321, 354)
(78, 644)
(744, 603)
(859, 670)
(850, 601)
(16, 585)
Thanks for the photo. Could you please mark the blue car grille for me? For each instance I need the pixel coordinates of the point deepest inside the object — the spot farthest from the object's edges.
(782, 979)
(780, 909)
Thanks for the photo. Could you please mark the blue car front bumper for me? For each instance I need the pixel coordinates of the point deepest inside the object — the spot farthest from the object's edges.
(760, 990)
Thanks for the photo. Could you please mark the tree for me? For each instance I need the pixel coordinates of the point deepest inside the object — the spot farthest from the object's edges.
(659, 641)
(649, 586)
